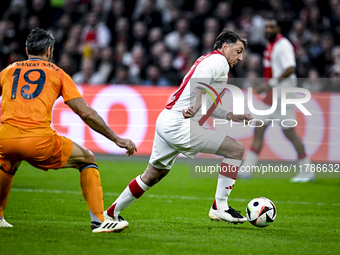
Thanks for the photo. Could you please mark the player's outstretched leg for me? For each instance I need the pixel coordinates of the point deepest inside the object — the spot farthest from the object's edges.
(6, 181)
(133, 191)
(220, 211)
(233, 151)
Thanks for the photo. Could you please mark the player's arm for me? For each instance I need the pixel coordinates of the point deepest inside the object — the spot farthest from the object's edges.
(192, 110)
(94, 121)
(239, 118)
(273, 82)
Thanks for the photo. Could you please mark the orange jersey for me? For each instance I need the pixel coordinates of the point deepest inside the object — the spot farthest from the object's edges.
(29, 89)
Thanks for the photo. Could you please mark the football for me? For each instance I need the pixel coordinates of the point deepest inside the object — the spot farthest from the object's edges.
(261, 212)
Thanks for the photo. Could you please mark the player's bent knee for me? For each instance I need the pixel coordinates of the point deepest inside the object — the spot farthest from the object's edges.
(89, 165)
(91, 157)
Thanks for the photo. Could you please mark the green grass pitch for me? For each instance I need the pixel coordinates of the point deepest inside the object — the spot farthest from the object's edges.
(50, 216)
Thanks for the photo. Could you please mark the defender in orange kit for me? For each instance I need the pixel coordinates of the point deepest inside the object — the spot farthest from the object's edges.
(29, 89)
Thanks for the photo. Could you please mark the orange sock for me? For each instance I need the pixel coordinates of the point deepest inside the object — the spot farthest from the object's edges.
(92, 192)
(6, 181)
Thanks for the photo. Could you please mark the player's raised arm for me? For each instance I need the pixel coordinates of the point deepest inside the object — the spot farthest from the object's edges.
(94, 121)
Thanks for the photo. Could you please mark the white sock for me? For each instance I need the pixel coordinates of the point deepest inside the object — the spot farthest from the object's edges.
(226, 181)
(132, 192)
(302, 162)
(250, 159)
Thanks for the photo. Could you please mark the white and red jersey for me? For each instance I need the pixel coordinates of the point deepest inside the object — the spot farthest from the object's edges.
(277, 58)
(210, 68)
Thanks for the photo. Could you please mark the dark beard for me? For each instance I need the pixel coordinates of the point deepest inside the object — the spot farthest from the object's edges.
(272, 37)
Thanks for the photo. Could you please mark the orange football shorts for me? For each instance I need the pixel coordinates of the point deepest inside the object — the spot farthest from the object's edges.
(48, 152)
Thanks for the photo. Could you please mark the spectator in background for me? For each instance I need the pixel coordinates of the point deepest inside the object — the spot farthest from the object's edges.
(116, 13)
(72, 45)
(121, 32)
(97, 6)
(315, 21)
(333, 84)
(245, 20)
(314, 29)
(120, 53)
(68, 64)
(140, 4)
(303, 62)
(200, 14)
(185, 58)
(31, 23)
(154, 77)
(168, 71)
(61, 32)
(122, 76)
(208, 41)
(16, 55)
(106, 65)
(314, 47)
(299, 34)
(87, 74)
(11, 39)
(335, 19)
(139, 36)
(155, 35)
(40, 8)
(222, 12)
(325, 60)
(173, 13)
(212, 25)
(313, 82)
(4, 44)
(181, 34)
(137, 63)
(336, 55)
(17, 13)
(157, 51)
(69, 8)
(95, 34)
(149, 15)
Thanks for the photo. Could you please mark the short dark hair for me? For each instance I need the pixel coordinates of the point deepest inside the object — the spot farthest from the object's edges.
(38, 41)
(229, 37)
(271, 16)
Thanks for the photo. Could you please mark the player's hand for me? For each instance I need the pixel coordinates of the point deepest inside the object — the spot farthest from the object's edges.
(128, 145)
(239, 118)
(190, 112)
(264, 87)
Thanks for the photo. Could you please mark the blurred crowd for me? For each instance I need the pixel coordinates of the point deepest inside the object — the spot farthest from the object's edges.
(154, 42)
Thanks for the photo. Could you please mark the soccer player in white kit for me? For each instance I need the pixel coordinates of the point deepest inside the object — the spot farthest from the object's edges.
(279, 70)
(178, 131)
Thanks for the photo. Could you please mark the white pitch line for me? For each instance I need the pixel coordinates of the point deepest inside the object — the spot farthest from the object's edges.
(116, 194)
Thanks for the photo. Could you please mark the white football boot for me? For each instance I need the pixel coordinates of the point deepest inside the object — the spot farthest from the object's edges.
(228, 215)
(304, 176)
(5, 224)
(110, 224)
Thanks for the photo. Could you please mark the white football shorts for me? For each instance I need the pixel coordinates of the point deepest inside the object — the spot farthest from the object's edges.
(174, 135)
